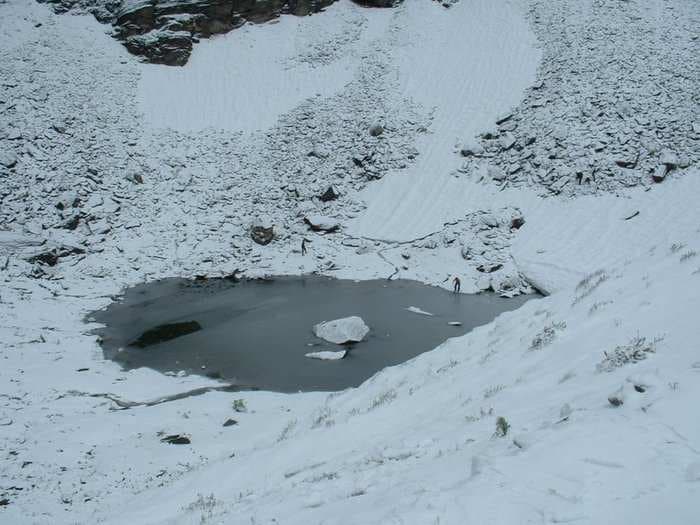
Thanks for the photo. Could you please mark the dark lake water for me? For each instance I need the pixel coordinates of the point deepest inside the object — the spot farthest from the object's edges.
(255, 333)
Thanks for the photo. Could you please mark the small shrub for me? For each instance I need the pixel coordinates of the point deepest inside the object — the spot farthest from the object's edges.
(547, 335)
(386, 397)
(588, 285)
(239, 405)
(323, 418)
(636, 350)
(493, 390)
(287, 430)
(677, 246)
(502, 427)
(597, 306)
(688, 255)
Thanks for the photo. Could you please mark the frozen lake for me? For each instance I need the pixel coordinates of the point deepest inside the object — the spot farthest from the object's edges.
(256, 333)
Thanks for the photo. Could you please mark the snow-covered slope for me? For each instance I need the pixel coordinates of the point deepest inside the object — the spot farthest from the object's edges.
(91, 180)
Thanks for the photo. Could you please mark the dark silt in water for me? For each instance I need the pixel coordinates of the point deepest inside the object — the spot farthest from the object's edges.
(255, 333)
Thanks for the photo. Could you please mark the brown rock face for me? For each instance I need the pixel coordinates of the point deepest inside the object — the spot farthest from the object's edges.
(164, 31)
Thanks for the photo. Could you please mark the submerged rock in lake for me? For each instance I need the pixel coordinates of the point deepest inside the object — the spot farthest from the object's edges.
(340, 331)
(166, 332)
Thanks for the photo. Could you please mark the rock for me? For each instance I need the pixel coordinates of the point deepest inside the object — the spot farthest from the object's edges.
(565, 411)
(504, 117)
(262, 235)
(507, 141)
(67, 199)
(617, 398)
(669, 159)
(627, 162)
(376, 130)
(488, 220)
(230, 422)
(176, 439)
(327, 355)
(340, 331)
(12, 242)
(171, 48)
(489, 267)
(8, 159)
(517, 222)
(321, 223)
(496, 173)
(165, 332)
(329, 195)
(52, 256)
(660, 173)
(454, 323)
(72, 222)
(471, 148)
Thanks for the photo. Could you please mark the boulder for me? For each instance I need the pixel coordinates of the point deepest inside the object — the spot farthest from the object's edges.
(171, 48)
(15, 242)
(8, 159)
(669, 159)
(329, 195)
(496, 173)
(376, 130)
(517, 221)
(67, 199)
(262, 235)
(660, 173)
(321, 223)
(340, 331)
(471, 148)
(507, 141)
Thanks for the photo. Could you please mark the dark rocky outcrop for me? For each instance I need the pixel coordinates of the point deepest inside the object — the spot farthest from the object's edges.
(164, 31)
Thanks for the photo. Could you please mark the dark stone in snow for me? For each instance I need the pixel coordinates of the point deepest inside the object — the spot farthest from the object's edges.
(262, 235)
(51, 257)
(165, 332)
(230, 422)
(489, 267)
(660, 173)
(176, 439)
(329, 195)
(72, 223)
(516, 223)
(376, 130)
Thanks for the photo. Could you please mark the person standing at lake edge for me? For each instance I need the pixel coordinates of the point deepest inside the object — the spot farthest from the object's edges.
(457, 285)
(303, 246)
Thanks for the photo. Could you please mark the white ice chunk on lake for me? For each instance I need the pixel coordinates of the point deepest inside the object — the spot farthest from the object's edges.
(339, 331)
(418, 311)
(327, 355)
